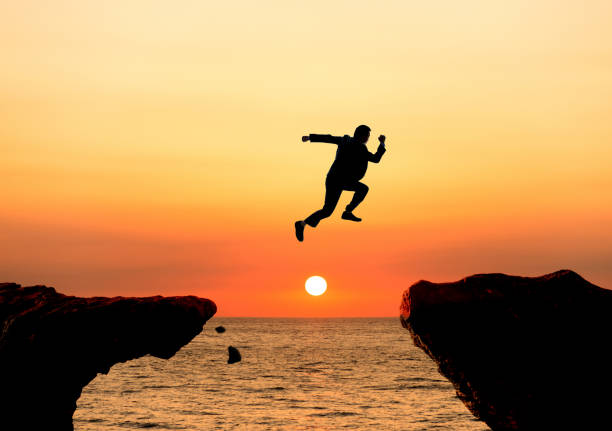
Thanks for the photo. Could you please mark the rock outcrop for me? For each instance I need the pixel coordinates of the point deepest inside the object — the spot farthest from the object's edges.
(523, 353)
(52, 345)
(233, 355)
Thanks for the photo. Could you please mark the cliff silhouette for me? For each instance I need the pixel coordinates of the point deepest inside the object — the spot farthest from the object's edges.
(523, 353)
(53, 345)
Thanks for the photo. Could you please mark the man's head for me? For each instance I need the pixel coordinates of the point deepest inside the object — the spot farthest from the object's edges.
(362, 134)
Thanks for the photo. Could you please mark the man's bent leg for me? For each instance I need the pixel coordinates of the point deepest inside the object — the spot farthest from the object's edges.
(361, 190)
(332, 195)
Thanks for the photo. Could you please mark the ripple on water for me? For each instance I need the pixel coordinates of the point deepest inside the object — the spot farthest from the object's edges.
(333, 414)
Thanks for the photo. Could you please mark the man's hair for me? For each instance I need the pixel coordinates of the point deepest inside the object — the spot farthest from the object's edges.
(362, 130)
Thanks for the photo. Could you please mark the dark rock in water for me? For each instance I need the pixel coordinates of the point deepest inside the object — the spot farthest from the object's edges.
(234, 355)
(52, 345)
(523, 353)
(220, 329)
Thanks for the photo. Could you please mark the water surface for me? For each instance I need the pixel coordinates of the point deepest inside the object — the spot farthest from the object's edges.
(295, 374)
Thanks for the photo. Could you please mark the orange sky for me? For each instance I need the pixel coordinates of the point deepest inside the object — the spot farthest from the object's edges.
(154, 147)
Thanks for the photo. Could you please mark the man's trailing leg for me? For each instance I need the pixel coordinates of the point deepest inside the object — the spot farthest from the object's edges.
(299, 230)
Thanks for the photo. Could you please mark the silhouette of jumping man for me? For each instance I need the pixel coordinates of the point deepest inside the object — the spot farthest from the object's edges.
(349, 167)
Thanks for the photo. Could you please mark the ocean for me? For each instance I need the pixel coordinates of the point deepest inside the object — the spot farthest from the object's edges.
(295, 374)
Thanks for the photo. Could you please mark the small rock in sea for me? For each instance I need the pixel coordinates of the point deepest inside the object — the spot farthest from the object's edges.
(234, 355)
(220, 329)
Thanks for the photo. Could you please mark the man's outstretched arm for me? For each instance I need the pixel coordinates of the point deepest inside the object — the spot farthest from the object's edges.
(375, 158)
(322, 138)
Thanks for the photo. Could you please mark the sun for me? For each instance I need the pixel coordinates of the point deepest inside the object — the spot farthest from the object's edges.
(316, 285)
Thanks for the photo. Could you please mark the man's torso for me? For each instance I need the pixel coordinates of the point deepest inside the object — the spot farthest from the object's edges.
(351, 162)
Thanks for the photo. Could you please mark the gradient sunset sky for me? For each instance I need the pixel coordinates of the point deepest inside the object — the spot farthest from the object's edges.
(153, 147)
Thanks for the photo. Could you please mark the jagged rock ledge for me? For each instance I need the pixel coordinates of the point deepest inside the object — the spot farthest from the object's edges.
(523, 353)
(53, 345)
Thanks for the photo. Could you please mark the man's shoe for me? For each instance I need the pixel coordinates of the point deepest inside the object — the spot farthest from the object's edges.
(299, 230)
(347, 215)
